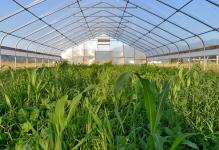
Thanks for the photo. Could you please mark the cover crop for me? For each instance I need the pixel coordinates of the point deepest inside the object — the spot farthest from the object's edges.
(109, 107)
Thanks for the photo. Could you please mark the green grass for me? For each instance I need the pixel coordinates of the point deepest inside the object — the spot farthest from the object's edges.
(109, 107)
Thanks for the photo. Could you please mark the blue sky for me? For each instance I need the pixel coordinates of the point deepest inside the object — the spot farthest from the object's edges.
(200, 9)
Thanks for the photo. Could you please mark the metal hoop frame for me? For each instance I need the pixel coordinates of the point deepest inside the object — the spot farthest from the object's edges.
(82, 26)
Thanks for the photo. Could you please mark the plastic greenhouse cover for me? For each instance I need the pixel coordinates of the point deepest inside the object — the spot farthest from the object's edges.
(155, 27)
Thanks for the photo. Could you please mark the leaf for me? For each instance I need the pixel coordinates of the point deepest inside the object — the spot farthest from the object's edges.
(74, 103)
(179, 139)
(168, 131)
(190, 144)
(150, 103)
(119, 118)
(58, 115)
(8, 102)
(162, 97)
(26, 127)
(73, 107)
(158, 142)
(181, 73)
(90, 87)
(22, 115)
(150, 143)
(108, 129)
(87, 136)
(189, 81)
(34, 114)
(1, 84)
(121, 81)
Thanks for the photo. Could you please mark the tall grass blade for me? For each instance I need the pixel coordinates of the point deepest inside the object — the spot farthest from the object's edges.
(121, 80)
(179, 139)
(150, 103)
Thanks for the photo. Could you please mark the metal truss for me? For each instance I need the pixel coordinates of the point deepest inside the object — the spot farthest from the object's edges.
(103, 17)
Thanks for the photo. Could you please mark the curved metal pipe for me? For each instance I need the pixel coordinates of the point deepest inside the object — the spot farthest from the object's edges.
(21, 10)
(177, 51)
(1, 48)
(189, 53)
(27, 57)
(36, 58)
(204, 48)
(16, 47)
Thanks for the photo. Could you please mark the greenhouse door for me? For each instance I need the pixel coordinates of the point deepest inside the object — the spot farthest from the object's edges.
(103, 53)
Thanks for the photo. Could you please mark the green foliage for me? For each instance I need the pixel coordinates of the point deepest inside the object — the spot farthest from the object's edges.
(153, 103)
(63, 64)
(108, 107)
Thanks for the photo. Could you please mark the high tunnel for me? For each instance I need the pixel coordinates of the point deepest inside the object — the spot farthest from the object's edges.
(36, 32)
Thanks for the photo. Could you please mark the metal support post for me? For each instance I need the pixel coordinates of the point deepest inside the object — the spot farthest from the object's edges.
(27, 60)
(134, 55)
(43, 60)
(123, 52)
(217, 57)
(36, 58)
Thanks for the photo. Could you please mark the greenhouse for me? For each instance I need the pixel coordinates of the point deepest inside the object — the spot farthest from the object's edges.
(109, 74)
